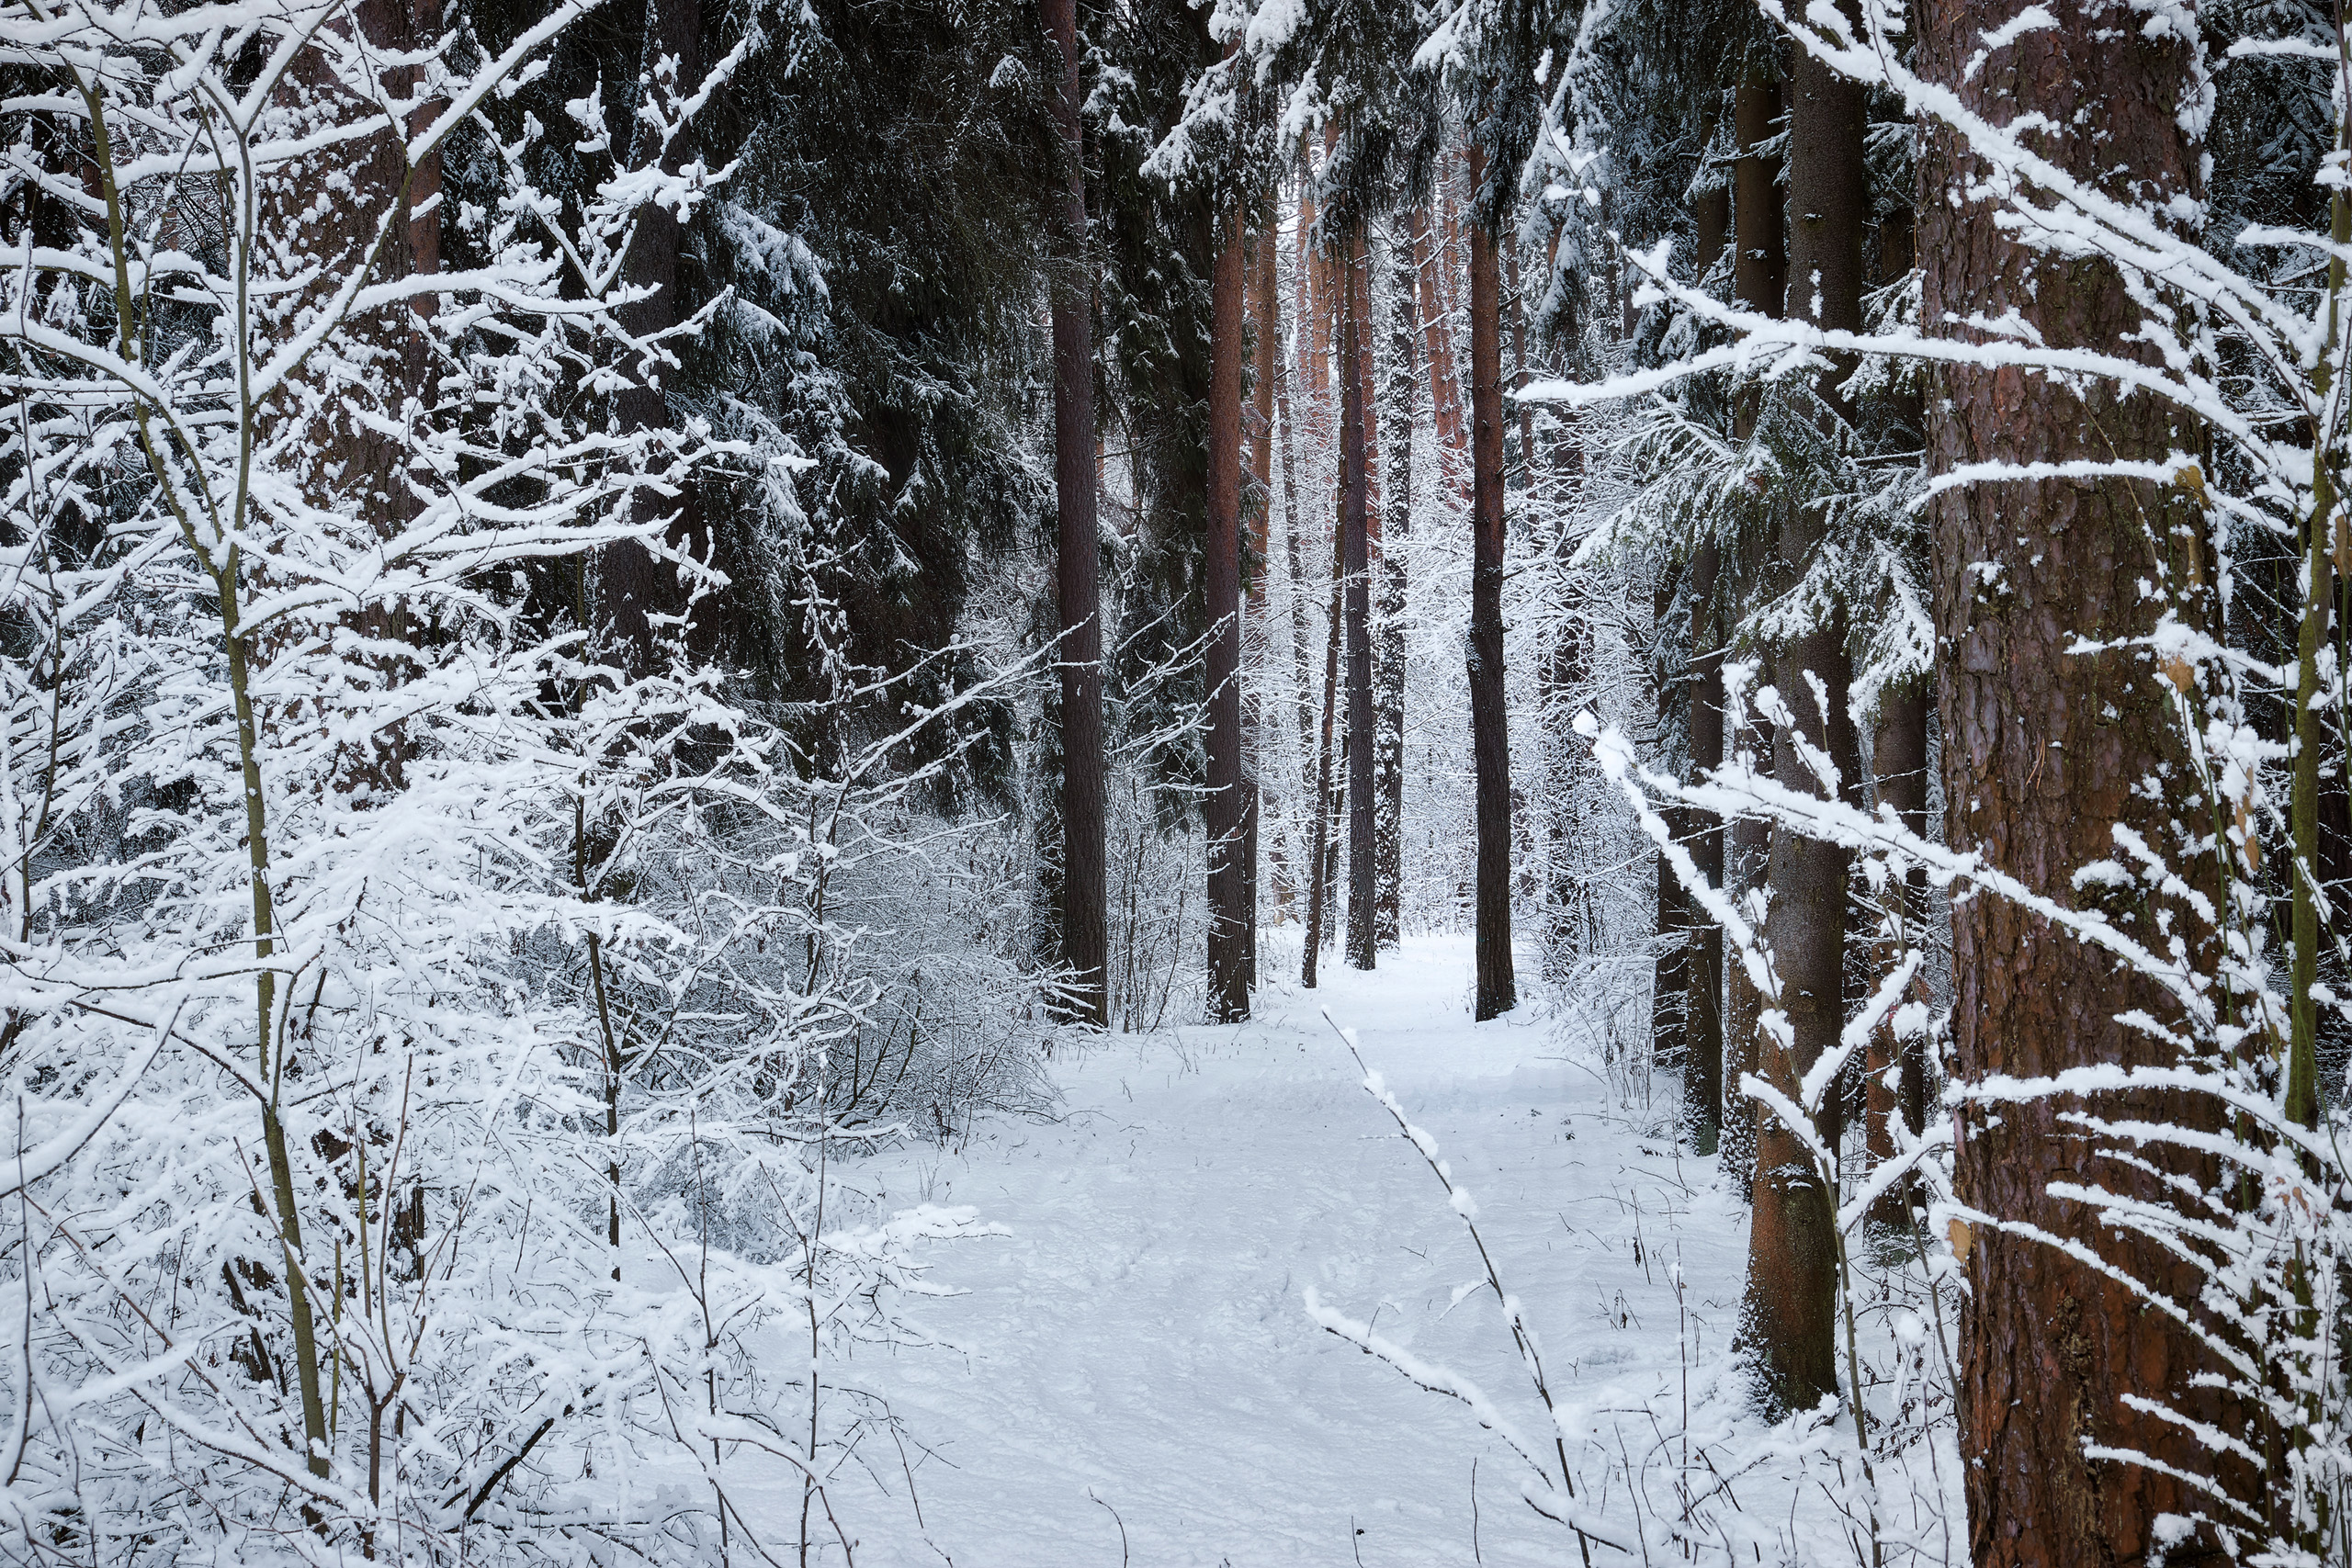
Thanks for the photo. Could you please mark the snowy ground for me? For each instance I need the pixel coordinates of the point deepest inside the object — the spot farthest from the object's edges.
(1134, 1355)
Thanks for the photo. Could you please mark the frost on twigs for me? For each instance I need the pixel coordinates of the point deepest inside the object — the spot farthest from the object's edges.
(419, 1037)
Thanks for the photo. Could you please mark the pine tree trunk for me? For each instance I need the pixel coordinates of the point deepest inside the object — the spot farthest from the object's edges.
(2047, 748)
(1894, 1077)
(1760, 280)
(1703, 1083)
(1670, 978)
(1222, 806)
(1077, 570)
(1355, 529)
(1318, 899)
(1389, 761)
(1702, 1027)
(1789, 1316)
(1497, 987)
(632, 585)
(1437, 337)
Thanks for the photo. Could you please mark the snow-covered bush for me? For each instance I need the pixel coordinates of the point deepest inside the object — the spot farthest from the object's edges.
(418, 1130)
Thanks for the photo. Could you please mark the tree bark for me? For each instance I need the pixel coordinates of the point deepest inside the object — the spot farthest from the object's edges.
(1497, 987)
(1078, 567)
(1895, 1086)
(1437, 336)
(1222, 807)
(2047, 748)
(633, 585)
(1389, 761)
(1669, 974)
(1702, 1028)
(1355, 519)
(1789, 1317)
(1759, 277)
(1318, 899)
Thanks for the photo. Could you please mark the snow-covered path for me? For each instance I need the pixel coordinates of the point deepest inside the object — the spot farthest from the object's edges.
(1139, 1339)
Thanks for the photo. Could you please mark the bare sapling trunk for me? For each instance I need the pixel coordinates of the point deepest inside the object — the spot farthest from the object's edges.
(1222, 806)
(2049, 751)
(1497, 986)
(1318, 899)
(1789, 1316)
(1078, 567)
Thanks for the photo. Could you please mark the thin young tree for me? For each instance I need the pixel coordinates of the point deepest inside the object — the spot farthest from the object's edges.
(1078, 566)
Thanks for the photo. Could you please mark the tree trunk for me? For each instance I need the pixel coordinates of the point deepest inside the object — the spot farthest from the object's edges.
(1789, 1318)
(1702, 1084)
(1895, 1078)
(1437, 336)
(1389, 762)
(1077, 570)
(2047, 748)
(1319, 898)
(1222, 807)
(1355, 545)
(1670, 975)
(1760, 276)
(633, 585)
(1498, 987)
(1703, 1026)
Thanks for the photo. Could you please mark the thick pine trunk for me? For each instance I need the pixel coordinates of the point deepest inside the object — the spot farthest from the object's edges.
(1223, 807)
(1388, 763)
(1760, 282)
(1355, 541)
(1078, 568)
(1497, 987)
(2047, 748)
(1789, 1317)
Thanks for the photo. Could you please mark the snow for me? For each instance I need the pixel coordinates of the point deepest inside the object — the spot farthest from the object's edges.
(1139, 1343)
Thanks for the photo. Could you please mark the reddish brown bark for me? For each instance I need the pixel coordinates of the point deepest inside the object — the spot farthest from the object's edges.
(1895, 1081)
(2046, 748)
(1789, 1316)
(1497, 986)
(1078, 568)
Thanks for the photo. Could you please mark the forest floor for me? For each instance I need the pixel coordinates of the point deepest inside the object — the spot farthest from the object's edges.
(1136, 1379)
(1135, 1353)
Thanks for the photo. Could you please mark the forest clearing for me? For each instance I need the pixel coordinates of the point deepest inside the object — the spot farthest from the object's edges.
(1175, 781)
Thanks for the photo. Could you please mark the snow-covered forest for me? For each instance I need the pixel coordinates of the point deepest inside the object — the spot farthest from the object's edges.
(1175, 781)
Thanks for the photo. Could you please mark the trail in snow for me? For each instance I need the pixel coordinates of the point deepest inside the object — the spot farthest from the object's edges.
(1135, 1355)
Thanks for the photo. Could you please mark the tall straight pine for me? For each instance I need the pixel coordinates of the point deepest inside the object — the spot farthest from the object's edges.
(1497, 987)
(1078, 571)
(2049, 747)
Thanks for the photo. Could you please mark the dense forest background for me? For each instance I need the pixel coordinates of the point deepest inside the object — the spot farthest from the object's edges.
(610, 610)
